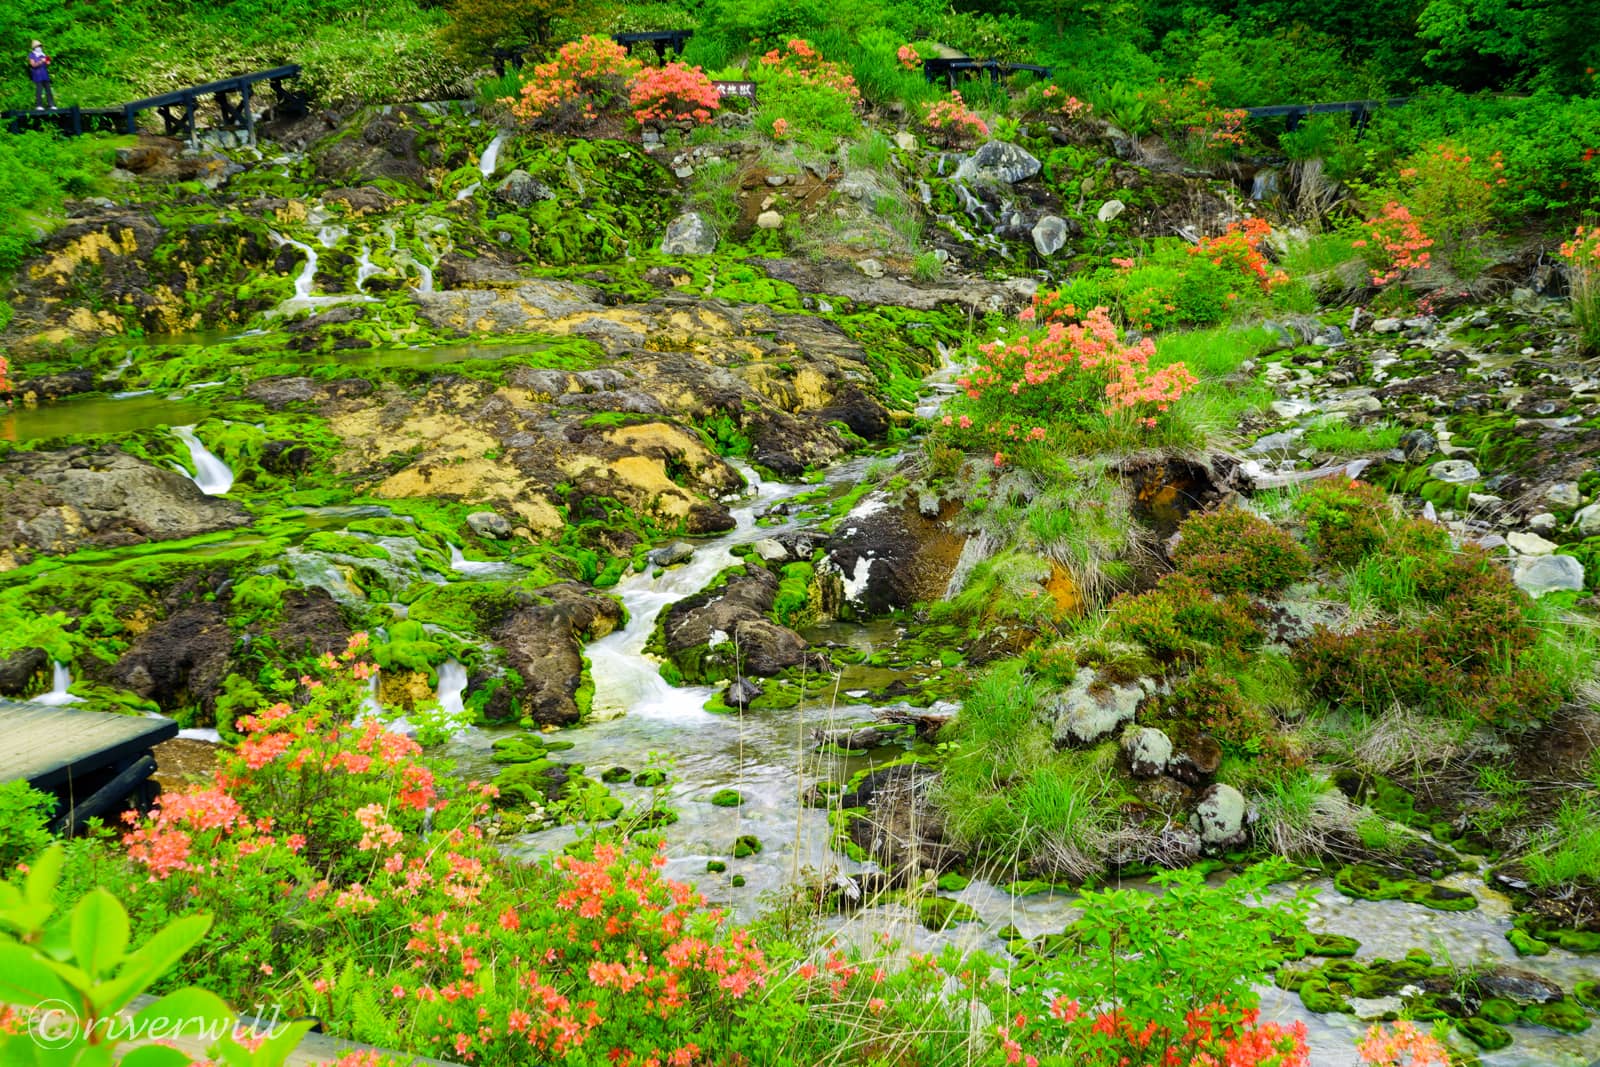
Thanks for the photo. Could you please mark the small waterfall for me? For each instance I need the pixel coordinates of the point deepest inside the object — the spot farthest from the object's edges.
(491, 156)
(370, 707)
(1264, 186)
(466, 194)
(481, 568)
(364, 266)
(452, 688)
(308, 274)
(424, 284)
(328, 236)
(213, 476)
(60, 679)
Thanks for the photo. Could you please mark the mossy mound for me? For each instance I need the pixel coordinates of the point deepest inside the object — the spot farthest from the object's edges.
(746, 845)
(939, 913)
(1367, 881)
(727, 798)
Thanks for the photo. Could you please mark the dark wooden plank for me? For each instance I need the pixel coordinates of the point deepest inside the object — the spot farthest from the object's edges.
(46, 746)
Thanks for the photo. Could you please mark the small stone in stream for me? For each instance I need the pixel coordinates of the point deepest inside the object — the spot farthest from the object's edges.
(671, 555)
(490, 525)
(770, 549)
(1387, 326)
(615, 775)
(742, 693)
(1418, 445)
(727, 798)
(1538, 575)
(746, 845)
(1530, 544)
(776, 180)
(1454, 471)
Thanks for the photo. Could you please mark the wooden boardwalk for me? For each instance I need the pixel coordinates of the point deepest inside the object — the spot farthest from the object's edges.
(91, 760)
(178, 109)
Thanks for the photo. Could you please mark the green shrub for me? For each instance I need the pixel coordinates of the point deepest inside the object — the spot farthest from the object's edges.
(24, 820)
(1181, 619)
(1210, 701)
(1234, 550)
(1344, 518)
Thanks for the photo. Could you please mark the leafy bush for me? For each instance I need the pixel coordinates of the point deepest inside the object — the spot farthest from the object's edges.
(1582, 256)
(952, 121)
(1234, 550)
(1344, 518)
(673, 93)
(1180, 619)
(814, 98)
(586, 77)
(1210, 701)
(479, 27)
(1073, 374)
(24, 820)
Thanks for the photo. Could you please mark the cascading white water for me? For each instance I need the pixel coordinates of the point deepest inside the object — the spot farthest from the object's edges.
(308, 274)
(213, 476)
(481, 568)
(452, 687)
(364, 266)
(466, 194)
(424, 277)
(60, 679)
(328, 236)
(625, 679)
(491, 155)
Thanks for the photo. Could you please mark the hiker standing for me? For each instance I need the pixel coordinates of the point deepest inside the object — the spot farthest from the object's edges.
(39, 71)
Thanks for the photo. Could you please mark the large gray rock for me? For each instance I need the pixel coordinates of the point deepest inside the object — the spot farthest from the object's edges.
(1220, 815)
(1089, 709)
(56, 502)
(1538, 575)
(670, 555)
(521, 189)
(689, 235)
(1563, 495)
(998, 161)
(1050, 235)
(1587, 520)
(543, 645)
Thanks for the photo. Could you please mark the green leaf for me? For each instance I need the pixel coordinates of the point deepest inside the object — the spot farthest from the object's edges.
(150, 961)
(189, 1012)
(99, 933)
(272, 1052)
(27, 980)
(43, 875)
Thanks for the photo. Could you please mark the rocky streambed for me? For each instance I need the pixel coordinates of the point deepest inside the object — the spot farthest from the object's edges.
(419, 409)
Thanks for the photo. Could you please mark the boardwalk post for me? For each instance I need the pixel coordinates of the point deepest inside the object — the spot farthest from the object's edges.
(249, 116)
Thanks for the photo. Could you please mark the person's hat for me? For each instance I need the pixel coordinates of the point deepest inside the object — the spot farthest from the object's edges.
(36, 44)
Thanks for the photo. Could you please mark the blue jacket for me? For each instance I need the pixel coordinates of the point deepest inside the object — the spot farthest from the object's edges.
(41, 73)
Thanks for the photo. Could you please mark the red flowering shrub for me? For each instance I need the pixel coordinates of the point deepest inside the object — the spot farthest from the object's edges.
(5, 383)
(673, 93)
(799, 60)
(908, 57)
(1233, 550)
(954, 120)
(1239, 250)
(586, 77)
(1582, 256)
(1394, 244)
(814, 99)
(1185, 114)
(1402, 1045)
(1072, 375)
(1064, 104)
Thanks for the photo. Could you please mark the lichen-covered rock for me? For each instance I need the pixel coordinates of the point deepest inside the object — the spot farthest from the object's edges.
(1091, 709)
(1049, 235)
(543, 644)
(1538, 575)
(1220, 816)
(520, 189)
(885, 557)
(181, 661)
(725, 631)
(1149, 751)
(489, 524)
(20, 671)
